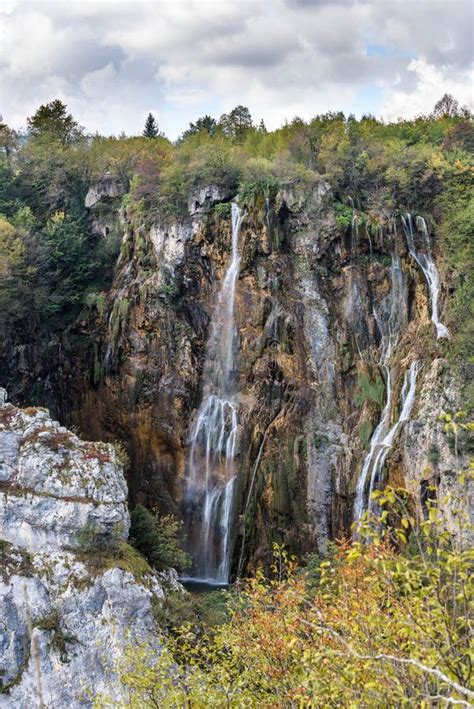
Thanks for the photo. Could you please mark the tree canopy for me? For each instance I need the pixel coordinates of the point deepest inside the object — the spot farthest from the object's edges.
(53, 121)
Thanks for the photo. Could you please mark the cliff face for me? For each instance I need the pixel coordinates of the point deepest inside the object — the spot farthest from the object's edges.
(316, 308)
(70, 591)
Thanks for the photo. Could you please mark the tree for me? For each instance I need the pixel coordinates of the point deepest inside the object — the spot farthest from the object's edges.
(448, 107)
(8, 138)
(151, 127)
(262, 127)
(157, 538)
(236, 123)
(206, 124)
(53, 121)
(22, 277)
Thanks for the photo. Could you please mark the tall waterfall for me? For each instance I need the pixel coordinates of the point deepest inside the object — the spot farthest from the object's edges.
(211, 475)
(427, 265)
(390, 321)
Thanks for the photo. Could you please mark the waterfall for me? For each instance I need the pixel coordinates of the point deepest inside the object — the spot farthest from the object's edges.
(210, 475)
(389, 321)
(427, 265)
(381, 445)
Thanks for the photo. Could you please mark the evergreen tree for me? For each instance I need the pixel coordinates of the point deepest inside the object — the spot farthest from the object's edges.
(206, 124)
(151, 127)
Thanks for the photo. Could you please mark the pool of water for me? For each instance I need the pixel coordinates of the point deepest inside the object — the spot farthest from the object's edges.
(194, 585)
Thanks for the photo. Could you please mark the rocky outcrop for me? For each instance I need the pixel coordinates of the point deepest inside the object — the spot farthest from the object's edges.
(107, 187)
(72, 593)
(310, 386)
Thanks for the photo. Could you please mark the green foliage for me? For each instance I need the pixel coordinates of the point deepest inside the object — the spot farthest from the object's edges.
(206, 124)
(236, 123)
(202, 612)
(22, 262)
(457, 228)
(255, 191)
(76, 262)
(370, 390)
(343, 215)
(223, 210)
(157, 538)
(52, 120)
(151, 127)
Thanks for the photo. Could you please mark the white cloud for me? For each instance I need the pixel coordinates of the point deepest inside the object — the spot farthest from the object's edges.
(431, 83)
(114, 61)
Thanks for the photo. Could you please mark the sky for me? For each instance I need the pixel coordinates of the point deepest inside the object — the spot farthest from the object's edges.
(114, 62)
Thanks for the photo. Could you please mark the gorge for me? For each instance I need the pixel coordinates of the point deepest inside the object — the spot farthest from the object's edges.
(243, 341)
(264, 407)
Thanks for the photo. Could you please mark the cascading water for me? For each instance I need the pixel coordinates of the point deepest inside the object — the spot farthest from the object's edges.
(211, 476)
(427, 265)
(389, 322)
(407, 400)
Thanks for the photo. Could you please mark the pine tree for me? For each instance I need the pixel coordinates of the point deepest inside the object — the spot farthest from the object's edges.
(151, 127)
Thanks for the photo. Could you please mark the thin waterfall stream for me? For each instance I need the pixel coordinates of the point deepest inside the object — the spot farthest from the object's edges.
(211, 474)
(425, 261)
(390, 322)
(384, 434)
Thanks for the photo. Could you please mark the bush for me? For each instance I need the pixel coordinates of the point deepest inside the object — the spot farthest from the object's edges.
(383, 621)
(158, 539)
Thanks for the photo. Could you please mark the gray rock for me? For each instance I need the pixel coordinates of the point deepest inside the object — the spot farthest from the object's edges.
(107, 187)
(201, 199)
(65, 619)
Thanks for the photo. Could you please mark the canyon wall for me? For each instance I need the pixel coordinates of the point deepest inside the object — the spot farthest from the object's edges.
(314, 306)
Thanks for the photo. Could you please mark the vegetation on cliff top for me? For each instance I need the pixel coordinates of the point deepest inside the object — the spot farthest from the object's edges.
(52, 259)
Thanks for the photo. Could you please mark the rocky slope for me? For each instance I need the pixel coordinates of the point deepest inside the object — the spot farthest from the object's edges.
(72, 593)
(314, 305)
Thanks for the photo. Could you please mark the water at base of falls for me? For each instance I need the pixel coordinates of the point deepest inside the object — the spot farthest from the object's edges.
(211, 474)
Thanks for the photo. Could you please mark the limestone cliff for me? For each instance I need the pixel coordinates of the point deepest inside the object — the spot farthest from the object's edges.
(72, 594)
(317, 304)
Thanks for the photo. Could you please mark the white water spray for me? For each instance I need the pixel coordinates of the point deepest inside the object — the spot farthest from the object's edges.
(381, 446)
(427, 265)
(211, 477)
(390, 323)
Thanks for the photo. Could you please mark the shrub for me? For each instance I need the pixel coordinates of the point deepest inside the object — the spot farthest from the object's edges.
(383, 621)
(157, 538)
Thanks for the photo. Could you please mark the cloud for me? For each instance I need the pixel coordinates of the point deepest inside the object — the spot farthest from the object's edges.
(113, 61)
(431, 83)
